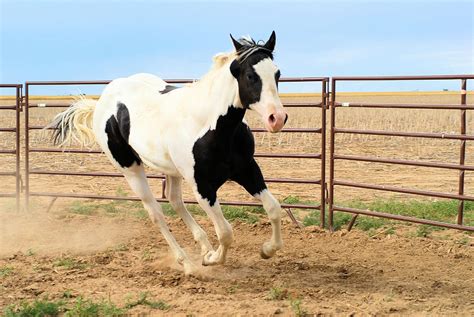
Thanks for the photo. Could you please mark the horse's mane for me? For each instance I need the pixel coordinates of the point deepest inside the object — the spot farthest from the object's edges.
(249, 47)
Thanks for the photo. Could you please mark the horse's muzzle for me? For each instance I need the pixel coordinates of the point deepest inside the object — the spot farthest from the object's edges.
(276, 120)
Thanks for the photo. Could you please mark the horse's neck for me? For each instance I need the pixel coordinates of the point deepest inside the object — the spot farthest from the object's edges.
(215, 94)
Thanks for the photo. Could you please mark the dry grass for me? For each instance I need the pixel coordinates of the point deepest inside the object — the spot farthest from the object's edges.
(378, 119)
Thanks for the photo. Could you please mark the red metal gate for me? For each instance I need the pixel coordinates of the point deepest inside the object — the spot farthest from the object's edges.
(463, 107)
(16, 149)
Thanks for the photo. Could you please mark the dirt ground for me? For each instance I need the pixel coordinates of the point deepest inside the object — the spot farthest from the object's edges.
(326, 273)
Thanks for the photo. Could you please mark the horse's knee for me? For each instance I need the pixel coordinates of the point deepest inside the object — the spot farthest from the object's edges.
(274, 211)
(226, 236)
(200, 235)
(271, 205)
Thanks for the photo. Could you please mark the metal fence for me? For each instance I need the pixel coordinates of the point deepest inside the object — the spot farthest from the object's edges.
(16, 150)
(462, 137)
(319, 154)
(327, 101)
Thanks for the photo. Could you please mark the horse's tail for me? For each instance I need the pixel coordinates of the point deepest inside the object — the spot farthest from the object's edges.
(75, 124)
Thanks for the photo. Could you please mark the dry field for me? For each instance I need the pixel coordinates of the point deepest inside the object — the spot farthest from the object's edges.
(390, 271)
(380, 119)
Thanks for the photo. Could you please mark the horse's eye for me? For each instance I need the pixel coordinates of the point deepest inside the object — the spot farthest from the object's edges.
(250, 77)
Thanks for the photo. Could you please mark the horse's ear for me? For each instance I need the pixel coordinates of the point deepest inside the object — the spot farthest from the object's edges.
(270, 45)
(236, 43)
(235, 69)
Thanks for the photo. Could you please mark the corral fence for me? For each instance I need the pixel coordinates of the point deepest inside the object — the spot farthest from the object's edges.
(15, 148)
(462, 107)
(326, 195)
(318, 154)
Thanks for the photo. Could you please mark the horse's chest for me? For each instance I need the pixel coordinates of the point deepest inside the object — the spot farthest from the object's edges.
(218, 153)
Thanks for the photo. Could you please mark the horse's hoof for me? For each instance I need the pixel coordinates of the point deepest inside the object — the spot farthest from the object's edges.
(267, 251)
(191, 270)
(208, 259)
(263, 255)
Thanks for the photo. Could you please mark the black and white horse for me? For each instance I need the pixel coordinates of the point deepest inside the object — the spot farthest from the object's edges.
(195, 132)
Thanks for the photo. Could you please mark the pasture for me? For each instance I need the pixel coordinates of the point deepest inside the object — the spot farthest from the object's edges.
(107, 257)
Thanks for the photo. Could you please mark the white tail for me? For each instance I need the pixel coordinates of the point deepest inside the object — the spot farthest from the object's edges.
(75, 124)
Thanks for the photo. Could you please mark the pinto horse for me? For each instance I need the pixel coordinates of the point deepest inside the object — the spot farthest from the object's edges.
(196, 132)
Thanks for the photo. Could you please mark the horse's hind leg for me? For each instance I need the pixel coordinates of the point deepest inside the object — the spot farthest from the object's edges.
(137, 180)
(173, 193)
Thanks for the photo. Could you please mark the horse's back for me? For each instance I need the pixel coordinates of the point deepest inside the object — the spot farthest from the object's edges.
(133, 105)
(134, 85)
(154, 81)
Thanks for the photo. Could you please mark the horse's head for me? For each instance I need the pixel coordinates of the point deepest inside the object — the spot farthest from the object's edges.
(257, 77)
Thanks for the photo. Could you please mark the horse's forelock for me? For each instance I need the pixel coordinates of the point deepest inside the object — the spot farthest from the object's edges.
(250, 47)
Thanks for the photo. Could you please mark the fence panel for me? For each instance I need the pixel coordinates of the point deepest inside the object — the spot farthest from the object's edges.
(463, 107)
(11, 146)
(32, 149)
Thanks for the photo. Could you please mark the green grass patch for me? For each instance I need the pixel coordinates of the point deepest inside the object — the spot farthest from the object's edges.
(291, 200)
(143, 300)
(70, 264)
(80, 307)
(277, 293)
(232, 213)
(463, 241)
(297, 307)
(82, 208)
(30, 252)
(423, 231)
(5, 270)
(340, 219)
(442, 210)
(85, 308)
(36, 308)
(121, 247)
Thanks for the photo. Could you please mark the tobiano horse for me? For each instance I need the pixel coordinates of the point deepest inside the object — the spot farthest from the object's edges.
(196, 132)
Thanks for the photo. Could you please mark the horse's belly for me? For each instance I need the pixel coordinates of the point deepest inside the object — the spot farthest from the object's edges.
(161, 166)
(155, 155)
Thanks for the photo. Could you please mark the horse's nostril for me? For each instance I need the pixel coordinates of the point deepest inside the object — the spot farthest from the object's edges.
(286, 119)
(272, 118)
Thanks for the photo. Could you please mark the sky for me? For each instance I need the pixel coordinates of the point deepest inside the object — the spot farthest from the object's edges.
(95, 40)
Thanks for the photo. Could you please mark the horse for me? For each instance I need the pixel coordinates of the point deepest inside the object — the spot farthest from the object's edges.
(196, 132)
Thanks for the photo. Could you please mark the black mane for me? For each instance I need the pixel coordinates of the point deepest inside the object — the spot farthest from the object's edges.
(250, 47)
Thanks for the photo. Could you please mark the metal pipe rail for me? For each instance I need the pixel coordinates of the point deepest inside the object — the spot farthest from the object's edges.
(461, 167)
(164, 200)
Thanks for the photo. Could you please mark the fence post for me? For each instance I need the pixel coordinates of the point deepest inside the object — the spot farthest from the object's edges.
(332, 106)
(17, 125)
(323, 152)
(462, 154)
(27, 149)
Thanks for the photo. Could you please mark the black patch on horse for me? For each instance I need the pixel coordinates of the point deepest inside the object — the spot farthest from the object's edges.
(117, 129)
(226, 153)
(167, 89)
(250, 83)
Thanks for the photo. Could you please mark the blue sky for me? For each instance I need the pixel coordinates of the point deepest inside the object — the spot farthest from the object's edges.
(82, 40)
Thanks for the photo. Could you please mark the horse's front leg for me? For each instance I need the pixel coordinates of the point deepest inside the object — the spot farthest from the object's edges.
(273, 209)
(251, 178)
(207, 199)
